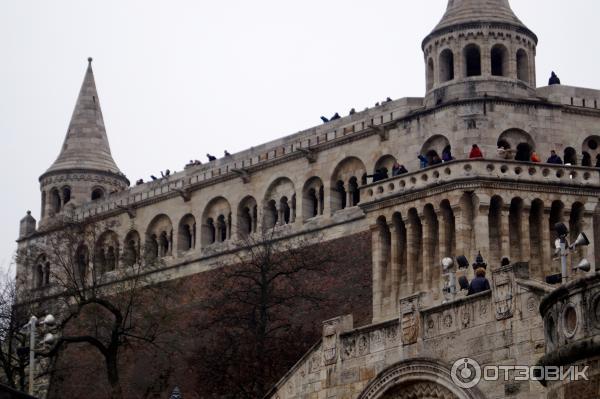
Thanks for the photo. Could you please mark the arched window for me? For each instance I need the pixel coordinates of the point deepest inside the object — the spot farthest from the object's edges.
(271, 216)
(97, 194)
(472, 60)
(499, 57)
(430, 74)
(66, 195)
(163, 244)
(222, 228)
(152, 247)
(353, 186)
(131, 251)
(247, 216)
(345, 182)
(82, 259)
(216, 225)
(341, 194)
(55, 200)
(159, 237)
(111, 259)
(47, 274)
(39, 276)
(43, 203)
(187, 233)
(285, 209)
(570, 156)
(446, 66)
(211, 231)
(522, 66)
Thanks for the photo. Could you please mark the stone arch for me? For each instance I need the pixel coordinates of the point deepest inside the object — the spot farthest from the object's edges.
(344, 183)
(312, 198)
(518, 140)
(522, 65)
(385, 165)
(106, 252)
(216, 222)
(131, 248)
(430, 74)
(446, 66)
(471, 60)
(279, 203)
(97, 193)
(55, 201)
(570, 156)
(247, 216)
(591, 145)
(434, 146)
(500, 60)
(159, 237)
(66, 195)
(414, 379)
(186, 237)
(41, 272)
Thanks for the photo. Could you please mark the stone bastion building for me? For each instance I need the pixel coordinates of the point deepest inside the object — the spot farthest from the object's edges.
(480, 89)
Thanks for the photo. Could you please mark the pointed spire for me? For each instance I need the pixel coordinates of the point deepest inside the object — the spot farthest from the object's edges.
(468, 11)
(86, 143)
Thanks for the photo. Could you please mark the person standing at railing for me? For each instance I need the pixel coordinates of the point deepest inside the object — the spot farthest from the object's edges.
(423, 161)
(535, 158)
(475, 152)
(554, 158)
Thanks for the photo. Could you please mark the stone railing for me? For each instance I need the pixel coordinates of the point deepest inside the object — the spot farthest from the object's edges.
(487, 169)
(302, 144)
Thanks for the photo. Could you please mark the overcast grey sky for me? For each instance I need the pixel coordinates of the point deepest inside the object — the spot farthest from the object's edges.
(181, 78)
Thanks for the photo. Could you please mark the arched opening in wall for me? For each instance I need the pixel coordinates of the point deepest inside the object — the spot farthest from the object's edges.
(354, 191)
(472, 60)
(399, 264)
(570, 156)
(285, 210)
(576, 224)
(346, 194)
(495, 229)
(515, 231)
(536, 238)
(500, 60)
(39, 276)
(131, 253)
(216, 222)
(46, 274)
(55, 202)
(312, 198)
(446, 66)
(66, 191)
(43, 212)
(518, 140)
(586, 159)
(247, 217)
(384, 167)
(186, 239)
(431, 254)
(522, 66)
(82, 260)
(111, 259)
(556, 216)
(447, 231)
(433, 147)
(271, 214)
(97, 194)
(159, 237)
(591, 145)
(105, 255)
(415, 250)
(430, 74)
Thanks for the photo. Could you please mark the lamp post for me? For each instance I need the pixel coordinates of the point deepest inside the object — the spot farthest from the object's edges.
(49, 321)
(563, 248)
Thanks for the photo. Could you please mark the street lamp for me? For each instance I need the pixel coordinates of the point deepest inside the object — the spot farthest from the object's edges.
(48, 339)
(563, 248)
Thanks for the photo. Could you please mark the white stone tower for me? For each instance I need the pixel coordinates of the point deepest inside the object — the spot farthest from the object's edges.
(84, 170)
(479, 48)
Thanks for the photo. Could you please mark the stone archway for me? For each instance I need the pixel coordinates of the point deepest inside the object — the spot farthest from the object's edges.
(417, 379)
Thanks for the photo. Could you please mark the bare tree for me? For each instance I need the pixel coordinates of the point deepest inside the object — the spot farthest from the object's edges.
(98, 303)
(14, 358)
(251, 323)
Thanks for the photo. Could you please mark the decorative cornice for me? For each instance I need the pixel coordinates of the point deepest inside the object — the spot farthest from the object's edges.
(479, 25)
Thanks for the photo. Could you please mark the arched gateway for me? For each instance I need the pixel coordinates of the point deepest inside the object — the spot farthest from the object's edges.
(417, 379)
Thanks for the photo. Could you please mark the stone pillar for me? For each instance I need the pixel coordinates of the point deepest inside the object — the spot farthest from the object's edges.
(482, 233)
(547, 245)
(349, 199)
(588, 228)
(395, 267)
(427, 256)
(504, 231)
(486, 60)
(377, 255)
(410, 256)
(525, 234)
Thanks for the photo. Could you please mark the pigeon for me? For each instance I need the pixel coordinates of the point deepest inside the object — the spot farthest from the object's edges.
(387, 100)
(227, 154)
(335, 117)
(325, 120)
(153, 177)
(352, 111)
(211, 158)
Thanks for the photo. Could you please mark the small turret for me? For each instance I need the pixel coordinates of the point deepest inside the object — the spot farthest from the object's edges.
(84, 170)
(27, 225)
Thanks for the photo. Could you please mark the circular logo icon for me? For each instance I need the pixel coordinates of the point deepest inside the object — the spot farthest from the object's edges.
(466, 373)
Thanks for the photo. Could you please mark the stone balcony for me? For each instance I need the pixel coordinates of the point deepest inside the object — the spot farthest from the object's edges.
(480, 169)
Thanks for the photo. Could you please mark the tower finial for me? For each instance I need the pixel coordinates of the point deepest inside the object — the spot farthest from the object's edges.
(90, 59)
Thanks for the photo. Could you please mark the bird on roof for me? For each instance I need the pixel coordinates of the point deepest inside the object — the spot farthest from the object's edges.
(153, 177)
(335, 117)
(387, 100)
(211, 157)
(352, 111)
(227, 154)
(325, 120)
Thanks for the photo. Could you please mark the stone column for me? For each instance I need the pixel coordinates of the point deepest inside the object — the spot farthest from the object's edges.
(482, 233)
(588, 228)
(395, 267)
(486, 60)
(547, 245)
(504, 231)
(525, 234)
(377, 275)
(411, 252)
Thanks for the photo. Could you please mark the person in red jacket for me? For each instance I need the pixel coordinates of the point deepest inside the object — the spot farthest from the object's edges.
(475, 152)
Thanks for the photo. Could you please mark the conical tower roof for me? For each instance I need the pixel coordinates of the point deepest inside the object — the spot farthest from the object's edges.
(86, 144)
(460, 12)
